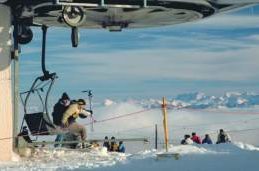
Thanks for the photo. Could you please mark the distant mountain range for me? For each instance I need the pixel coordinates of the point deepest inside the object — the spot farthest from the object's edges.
(200, 100)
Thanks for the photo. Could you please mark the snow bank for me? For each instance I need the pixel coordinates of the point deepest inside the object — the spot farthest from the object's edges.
(226, 157)
(246, 146)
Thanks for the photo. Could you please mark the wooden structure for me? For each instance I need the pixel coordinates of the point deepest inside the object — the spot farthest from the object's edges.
(165, 123)
(6, 113)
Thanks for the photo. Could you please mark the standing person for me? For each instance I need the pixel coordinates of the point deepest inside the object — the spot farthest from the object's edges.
(106, 143)
(57, 114)
(223, 137)
(71, 114)
(207, 139)
(196, 138)
(187, 140)
(122, 148)
(114, 146)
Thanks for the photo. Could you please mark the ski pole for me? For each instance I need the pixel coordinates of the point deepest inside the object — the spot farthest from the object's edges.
(90, 96)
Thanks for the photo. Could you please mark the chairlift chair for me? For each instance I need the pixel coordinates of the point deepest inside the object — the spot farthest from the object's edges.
(40, 123)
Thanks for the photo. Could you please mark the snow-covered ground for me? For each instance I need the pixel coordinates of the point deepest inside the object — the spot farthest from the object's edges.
(240, 123)
(137, 119)
(227, 157)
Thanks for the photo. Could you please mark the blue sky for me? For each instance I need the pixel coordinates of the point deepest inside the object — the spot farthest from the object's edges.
(214, 55)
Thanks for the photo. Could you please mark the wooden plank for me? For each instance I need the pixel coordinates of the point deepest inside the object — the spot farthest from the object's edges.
(161, 156)
(61, 142)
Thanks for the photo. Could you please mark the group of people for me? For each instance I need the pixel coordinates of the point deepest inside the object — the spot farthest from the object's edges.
(65, 113)
(112, 146)
(223, 137)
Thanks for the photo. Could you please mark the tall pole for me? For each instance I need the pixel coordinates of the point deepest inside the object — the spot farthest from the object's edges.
(6, 109)
(165, 123)
(16, 92)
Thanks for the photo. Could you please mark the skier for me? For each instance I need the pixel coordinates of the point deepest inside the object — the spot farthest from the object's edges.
(114, 146)
(223, 137)
(106, 143)
(187, 140)
(196, 138)
(71, 114)
(121, 147)
(207, 139)
(59, 108)
(57, 114)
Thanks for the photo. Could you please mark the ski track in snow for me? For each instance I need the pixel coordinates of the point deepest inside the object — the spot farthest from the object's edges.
(237, 157)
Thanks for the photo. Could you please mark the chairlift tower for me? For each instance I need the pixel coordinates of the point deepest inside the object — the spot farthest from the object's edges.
(6, 107)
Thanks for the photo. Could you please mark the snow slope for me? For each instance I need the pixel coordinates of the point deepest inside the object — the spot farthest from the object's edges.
(199, 100)
(225, 157)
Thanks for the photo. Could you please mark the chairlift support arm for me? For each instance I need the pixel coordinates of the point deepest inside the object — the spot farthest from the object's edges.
(46, 74)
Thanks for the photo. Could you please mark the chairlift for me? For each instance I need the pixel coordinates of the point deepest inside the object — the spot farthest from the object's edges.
(40, 123)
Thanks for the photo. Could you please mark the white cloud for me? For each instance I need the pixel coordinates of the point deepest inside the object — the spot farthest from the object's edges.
(254, 37)
(235, 65)
(223, 21)
(209, 50)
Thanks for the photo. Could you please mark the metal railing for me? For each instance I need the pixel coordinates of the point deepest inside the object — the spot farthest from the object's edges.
(104, 4)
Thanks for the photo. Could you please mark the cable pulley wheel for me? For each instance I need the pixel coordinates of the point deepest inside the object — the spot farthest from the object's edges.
(73, 16)
(25, 36)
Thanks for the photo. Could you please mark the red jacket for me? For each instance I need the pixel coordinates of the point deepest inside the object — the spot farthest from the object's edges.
(196, 139)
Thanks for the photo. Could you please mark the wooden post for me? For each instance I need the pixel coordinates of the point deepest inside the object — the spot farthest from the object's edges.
(6, 114)
(156, 136)
(165, 123)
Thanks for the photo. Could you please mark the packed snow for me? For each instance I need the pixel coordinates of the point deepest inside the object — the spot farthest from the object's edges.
(227, 157)
(108, 102)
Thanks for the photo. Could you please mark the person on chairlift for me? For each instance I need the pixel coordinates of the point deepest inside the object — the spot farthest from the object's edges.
(60, 107)
(71, 114)
(25, 134)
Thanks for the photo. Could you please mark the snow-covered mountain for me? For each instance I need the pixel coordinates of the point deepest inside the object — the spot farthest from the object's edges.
(200, 100)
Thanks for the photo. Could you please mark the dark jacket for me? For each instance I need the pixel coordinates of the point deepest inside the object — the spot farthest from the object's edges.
(207, 141)
(223, 138)
(58, 112)
(106, 144)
